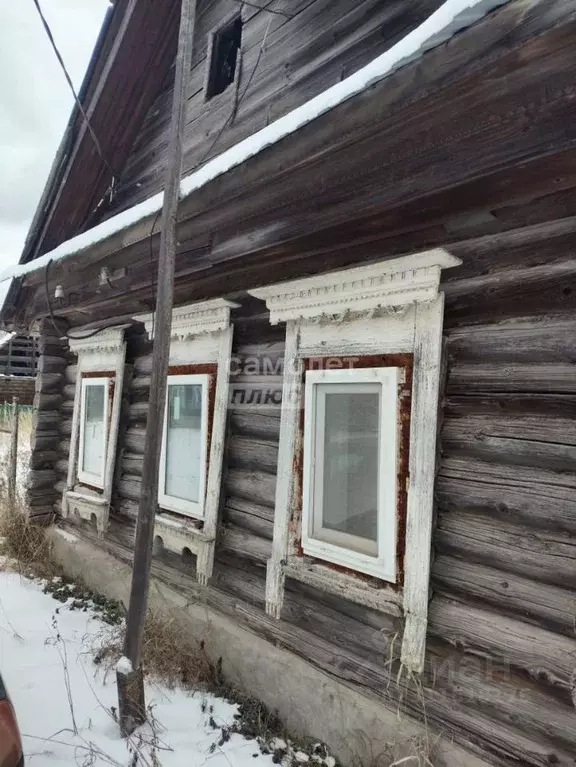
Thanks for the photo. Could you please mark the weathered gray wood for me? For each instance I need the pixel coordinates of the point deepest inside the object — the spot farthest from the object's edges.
(131, 704)
(508, 498)
(542, 653)
(253, 486)
(255, 423)
(253, 524)
(245, 544)
(542, 555)
(444, 708)
(465, 378)
(13, 467)
(253, 454)
(547, 606)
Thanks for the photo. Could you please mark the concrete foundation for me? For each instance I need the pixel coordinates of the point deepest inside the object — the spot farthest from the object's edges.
(357, 729)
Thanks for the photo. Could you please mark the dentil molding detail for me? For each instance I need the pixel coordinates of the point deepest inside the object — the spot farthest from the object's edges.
(394, 283)
(194, 319)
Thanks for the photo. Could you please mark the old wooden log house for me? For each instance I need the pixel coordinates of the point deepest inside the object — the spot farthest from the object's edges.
(367, 492)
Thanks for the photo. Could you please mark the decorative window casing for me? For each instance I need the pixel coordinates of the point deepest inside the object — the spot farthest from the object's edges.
(195, 430)
(351, 520)
(95, 423)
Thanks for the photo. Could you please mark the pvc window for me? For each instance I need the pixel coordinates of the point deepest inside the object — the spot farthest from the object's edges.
(183, 464)
(94, 410)
(350, 469)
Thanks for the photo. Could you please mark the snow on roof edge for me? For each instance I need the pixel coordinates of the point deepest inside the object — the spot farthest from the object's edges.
(451, 17)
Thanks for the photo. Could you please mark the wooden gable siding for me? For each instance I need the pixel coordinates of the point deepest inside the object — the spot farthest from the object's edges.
(317, 44)
(380, 172)
(501, 648)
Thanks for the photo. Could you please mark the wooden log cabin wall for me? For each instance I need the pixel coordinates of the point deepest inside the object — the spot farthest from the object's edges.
(501, 651)
(500, 194)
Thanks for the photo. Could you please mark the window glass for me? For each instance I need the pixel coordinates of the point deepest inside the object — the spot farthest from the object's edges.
(350, 461)
(184, 449)
(94, 429)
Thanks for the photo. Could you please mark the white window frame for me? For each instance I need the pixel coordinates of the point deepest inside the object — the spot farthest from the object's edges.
(201, 335)
(394, 306)
(87, 477)
(169, 502)
(385, 381)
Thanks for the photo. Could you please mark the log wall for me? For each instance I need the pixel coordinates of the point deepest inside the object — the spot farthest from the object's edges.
(501, 651)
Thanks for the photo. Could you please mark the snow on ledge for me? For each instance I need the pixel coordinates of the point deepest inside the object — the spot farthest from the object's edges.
(449, 18)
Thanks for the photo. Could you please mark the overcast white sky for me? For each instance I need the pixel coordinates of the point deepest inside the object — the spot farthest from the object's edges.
(35, 101)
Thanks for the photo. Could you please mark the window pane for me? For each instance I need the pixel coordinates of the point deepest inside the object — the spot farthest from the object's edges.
(350, 481)
(94, 429)
(184, 442)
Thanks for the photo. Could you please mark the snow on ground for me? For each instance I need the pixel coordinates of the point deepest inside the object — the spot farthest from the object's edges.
(44, 653)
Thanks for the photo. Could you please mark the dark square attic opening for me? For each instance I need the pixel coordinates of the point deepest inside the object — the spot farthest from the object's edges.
(226, 43)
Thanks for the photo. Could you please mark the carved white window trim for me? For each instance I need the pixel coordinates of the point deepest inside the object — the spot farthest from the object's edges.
(201, 334)
(387, 308)
(102, 352)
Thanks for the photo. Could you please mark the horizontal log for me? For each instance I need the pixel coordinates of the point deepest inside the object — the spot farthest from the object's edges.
(548, 606)
(132, 464)
(137, 412)
(52, 364)
(70, 374)
(255, 486)
(541, 653)
(69, 392)
(249, 508)
(512, 500)
(130, 487)
(251, 422)
(44, 459)
(469, 468)
(529, 427)
(48, 402)
(39, 479)
(46, 420)
(134, 439)
(262, 527)
(529, 341)
(49, 383)
(245, 544)
(542, 555)
(65, 426)
(252, 453)
(480, 445)
(466, 378)
(61, 467)
(45, 440)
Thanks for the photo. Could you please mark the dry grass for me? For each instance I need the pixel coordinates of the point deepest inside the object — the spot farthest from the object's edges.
(169, 653)
(22, 542)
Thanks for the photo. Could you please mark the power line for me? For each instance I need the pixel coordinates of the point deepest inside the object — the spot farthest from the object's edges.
(212, 145)
(71, 85)
(267, 10)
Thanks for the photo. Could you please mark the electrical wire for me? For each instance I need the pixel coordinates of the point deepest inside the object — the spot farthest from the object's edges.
(71, 86)
(230, 117)
(267, 10)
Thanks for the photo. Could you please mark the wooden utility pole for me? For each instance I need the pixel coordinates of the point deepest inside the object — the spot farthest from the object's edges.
(13, 470)
(132, 706)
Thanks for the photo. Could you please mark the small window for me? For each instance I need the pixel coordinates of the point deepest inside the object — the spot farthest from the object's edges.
(184, 445)
(223, 57)
(350, 468)
(93, 431)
